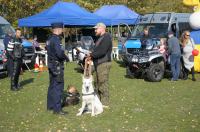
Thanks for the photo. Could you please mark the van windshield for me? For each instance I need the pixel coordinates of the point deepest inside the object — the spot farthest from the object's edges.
(155, 29)
(4, 29)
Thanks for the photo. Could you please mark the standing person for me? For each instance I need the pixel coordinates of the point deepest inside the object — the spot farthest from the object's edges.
(187, 44)
(9, 65)
(145, 37)
(16, 54)
(101, 56)
(36, 45)
(174, 52)
(56, 58)
(162, 48)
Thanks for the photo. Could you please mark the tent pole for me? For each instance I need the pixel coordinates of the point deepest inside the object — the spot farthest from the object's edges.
(76, 35)
(64, 36)
(112, 32)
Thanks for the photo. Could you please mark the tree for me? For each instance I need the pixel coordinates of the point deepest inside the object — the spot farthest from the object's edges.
(13, 10)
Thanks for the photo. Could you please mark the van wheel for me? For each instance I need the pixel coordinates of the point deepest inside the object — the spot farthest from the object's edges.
(155, 73)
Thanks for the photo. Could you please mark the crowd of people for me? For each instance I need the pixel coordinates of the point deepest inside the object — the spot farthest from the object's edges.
(178, 51)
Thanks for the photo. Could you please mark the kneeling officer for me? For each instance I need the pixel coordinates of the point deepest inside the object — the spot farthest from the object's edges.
(56, 58)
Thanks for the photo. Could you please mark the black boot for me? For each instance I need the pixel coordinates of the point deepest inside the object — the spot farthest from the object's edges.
(19, 86)
(193, 79)
(192, 70)
(14, 88)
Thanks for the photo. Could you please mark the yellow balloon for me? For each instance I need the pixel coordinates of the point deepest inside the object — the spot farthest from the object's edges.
(194, 3)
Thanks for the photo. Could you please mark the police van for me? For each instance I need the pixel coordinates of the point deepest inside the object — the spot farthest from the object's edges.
(148, 61)
(28, 47)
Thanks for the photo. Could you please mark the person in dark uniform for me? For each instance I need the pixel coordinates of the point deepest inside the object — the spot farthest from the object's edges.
(6, 40)
(16, 53)
(56, 58)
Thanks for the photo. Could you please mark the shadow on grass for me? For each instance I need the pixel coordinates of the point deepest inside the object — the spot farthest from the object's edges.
(27, 81)
(120, 63)
(78, 69)
(2, 76)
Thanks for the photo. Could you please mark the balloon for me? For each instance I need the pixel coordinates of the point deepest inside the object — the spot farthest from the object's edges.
(194, 20)
(195, 52)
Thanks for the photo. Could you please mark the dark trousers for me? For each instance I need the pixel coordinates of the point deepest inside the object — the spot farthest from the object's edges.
(9, 67)
(186, 72)
(54, 94)
(175, 65)
(101, 81)
(17, 64)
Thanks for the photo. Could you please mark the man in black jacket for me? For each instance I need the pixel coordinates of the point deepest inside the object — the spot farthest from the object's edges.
(101, 56)
(16, 54)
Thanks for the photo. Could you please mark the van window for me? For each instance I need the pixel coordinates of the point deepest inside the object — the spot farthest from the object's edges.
(173, 27)
(4, 28)
(183, 26)
(155, 29)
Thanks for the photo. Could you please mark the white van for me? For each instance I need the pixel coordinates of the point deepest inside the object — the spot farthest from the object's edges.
(4, 28)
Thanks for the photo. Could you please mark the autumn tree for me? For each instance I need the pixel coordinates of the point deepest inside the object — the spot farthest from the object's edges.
(13, 10)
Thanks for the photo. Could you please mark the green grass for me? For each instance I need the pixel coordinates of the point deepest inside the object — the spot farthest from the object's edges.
(136, 105)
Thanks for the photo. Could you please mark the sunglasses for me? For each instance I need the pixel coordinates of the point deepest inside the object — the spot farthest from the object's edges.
(187, 34)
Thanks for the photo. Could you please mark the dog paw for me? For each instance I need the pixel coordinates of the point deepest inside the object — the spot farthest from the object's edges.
(78, 114)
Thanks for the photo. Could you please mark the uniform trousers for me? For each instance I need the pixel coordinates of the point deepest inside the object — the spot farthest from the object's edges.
(17, 64)
(55, 91)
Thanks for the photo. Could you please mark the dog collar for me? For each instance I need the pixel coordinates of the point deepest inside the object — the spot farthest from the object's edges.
(88, 94)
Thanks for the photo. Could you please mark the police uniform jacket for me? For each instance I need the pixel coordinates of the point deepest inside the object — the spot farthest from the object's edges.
(54, 49)
(56, 55)
(15, 49)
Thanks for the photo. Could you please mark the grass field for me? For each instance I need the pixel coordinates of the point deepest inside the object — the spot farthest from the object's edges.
(136, 105)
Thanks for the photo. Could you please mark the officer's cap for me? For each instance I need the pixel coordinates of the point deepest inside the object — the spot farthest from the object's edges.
(100, 25)
(57, 25)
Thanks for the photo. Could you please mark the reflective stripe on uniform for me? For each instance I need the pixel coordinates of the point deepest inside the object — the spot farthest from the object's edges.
(10, 46)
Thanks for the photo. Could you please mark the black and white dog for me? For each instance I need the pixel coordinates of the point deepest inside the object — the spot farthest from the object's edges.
(90, 101)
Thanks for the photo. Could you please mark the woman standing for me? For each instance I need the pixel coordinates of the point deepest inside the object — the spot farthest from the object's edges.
(187, 44)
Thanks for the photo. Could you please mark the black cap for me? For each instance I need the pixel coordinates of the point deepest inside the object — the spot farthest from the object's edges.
(57, 25)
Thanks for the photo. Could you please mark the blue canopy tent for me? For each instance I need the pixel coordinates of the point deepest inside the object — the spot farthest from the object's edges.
(118, 14)
(69, 13)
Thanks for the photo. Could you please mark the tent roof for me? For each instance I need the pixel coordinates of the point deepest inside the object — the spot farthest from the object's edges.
(67, 12)
(118, 14)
